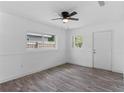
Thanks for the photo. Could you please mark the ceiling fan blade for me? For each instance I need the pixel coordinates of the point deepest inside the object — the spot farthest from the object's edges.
(73, 13)
(101, 3)
(56, 18)
(76, 19)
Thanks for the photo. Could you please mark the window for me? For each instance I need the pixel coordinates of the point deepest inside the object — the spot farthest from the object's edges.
(35, 40)
(77, 41)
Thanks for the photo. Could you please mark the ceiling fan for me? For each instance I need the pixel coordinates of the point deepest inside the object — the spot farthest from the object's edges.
(66, 16)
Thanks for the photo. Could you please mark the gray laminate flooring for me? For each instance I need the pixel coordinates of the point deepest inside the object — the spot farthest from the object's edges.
(67, 78)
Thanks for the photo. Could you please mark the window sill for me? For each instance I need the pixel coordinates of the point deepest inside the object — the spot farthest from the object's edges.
(40, 50)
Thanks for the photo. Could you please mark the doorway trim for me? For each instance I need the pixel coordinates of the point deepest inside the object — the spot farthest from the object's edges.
(111, 47)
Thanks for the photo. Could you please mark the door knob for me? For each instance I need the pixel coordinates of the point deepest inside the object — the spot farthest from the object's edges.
(94, 51)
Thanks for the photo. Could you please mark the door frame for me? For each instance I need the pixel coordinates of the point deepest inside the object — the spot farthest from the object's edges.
(111, 47)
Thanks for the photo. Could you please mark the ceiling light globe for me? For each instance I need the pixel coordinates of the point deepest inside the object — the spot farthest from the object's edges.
(65, 20)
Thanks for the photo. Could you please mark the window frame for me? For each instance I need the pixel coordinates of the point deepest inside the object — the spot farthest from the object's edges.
(43, 48)
(73, 41)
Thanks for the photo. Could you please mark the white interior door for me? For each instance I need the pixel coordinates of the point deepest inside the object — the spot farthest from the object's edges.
(102, 50)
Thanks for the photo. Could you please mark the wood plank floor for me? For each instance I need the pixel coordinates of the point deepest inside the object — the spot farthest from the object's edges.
(68, 78)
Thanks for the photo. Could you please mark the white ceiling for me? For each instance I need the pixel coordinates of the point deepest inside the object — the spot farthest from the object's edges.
(89, 12)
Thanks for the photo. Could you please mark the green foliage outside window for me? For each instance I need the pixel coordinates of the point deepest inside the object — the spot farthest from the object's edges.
(78, 41)
(51, 39)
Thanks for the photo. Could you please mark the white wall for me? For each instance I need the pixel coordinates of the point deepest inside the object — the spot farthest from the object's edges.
(83, 56)
(15, 60)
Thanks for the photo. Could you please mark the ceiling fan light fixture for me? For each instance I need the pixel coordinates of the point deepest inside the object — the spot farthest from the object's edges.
(66, 16)
(65, 20)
